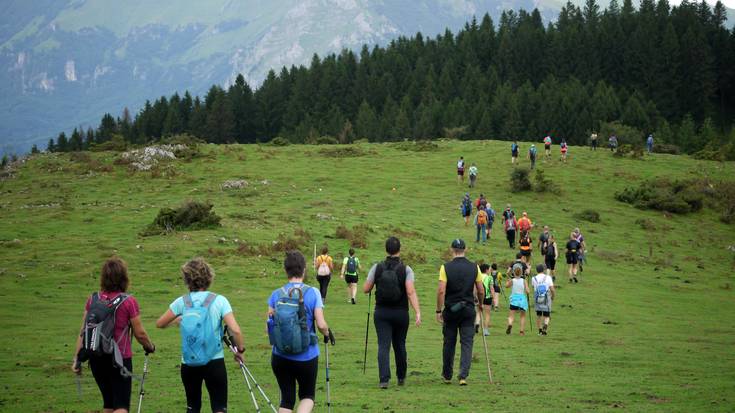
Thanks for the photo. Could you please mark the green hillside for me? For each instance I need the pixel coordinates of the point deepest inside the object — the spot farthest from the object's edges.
(640, 332)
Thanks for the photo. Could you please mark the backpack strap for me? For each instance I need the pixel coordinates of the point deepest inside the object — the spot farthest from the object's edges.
(209, 299)
(187, 301)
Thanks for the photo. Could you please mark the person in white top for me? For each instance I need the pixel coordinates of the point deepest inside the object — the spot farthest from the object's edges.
(544, 294)
(460, 170)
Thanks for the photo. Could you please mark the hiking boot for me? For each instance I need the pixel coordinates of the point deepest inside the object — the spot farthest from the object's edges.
(383, 385)
(507, 330)
(576, 280)
(485, 332)
(462, 382)
(401, 382)
(540, 332)
(446, 380)
(353, 301)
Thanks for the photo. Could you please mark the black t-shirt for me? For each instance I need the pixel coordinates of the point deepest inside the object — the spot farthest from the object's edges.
(572, 246)
(550, 250)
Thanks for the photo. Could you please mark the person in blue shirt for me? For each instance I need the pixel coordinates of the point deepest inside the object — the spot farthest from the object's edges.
(301, 368)
(649, 144)
(198, 276)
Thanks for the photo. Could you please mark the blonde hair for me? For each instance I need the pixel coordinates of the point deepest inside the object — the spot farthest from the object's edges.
(197, 274)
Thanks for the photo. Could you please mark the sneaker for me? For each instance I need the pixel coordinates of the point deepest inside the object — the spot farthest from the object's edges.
(544, 330)
(446, 380)
(576, 280)
(507, 330)
(462, 382)
(477, 328)
(540, 332)
(496, 308)
(401, 382)
(383, 385)
(485, 332)
(353, 301)
(523, 333)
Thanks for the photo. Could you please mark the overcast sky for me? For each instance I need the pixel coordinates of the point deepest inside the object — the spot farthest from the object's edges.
(728, 3)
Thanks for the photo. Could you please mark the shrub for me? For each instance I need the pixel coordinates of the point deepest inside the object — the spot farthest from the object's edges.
(324, 140)
(182, 139)
(417, 146)
(191, 215)
(357, 236)
(626, 134)
(519, 180)
(626, 150)
(4, 162)
(280, 141)
(80, 157)
(542, 184)
(589, 215)
(666, 148)
(661, 194)
(116, 144)
(343, 152)
(456, 132)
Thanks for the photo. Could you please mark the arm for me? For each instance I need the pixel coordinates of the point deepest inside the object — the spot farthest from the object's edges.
(553, 292)
(141, 336)
(525, 285)
(370, 281)
(440, 294)
(235, 331)
(342, 271)
(414, 300)
(78, 369)
(321, 323)
(556, 251)
(167, 318)
(509, 283)
(480, 291)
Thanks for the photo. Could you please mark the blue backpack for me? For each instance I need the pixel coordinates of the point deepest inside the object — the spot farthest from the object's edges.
(288, 330)
(199, 342)
(541, 295)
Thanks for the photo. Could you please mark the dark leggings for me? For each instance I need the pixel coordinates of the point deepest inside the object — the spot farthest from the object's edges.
(114, 387)
(288, 373)
(214, 375)
(391, 327)
(511, 235)
(323, 284)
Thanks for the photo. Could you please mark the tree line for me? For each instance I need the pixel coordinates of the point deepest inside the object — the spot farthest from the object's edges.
(655, 69)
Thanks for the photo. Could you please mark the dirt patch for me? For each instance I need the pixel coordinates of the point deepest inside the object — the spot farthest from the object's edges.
(344, 152)
(357, 236)
(413, 257)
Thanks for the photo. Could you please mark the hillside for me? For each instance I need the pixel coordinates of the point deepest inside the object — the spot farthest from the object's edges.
(640, 332)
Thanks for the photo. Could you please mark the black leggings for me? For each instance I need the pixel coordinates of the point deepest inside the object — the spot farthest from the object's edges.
(114, 387)
(214, 375)
(288, 373)
(323, 284)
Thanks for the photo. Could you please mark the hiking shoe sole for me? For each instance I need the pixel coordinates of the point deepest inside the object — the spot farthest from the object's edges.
(383, 385)
(462, 382)
(446, 380)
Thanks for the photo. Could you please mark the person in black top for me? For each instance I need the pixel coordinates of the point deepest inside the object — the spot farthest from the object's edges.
(572, 258)
(459, 280)
(394, 290)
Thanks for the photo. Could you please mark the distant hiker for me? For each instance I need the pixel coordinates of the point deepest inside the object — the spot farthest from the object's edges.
(550, 256)
(514, 149)
(525, 224)
(543, 240)
(544, 294)
(507, 213)
(649, 144)
(497, 279)
(581, 252)
(490, 219)
(199, 315)
(525, 269)
(481, 200)
(487, 301)
(466, 208)
(481, 220)
(296, 361)
(324, 266)
(547, 146)
(394, 290)
(350, 267)
(459, 281)
(111, 311)
(473, 175)
(612, 143)
(563, 147)
(532, 155)
(593, 141)
(518, 298)
(526, 245)
(572, 258)
(511, 224)
(460, 170)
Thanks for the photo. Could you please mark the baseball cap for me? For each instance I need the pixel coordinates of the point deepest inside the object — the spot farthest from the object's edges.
(458, 244)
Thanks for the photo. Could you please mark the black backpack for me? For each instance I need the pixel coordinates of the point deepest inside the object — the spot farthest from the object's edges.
(388, 284)
(98, 337)
(351, 265)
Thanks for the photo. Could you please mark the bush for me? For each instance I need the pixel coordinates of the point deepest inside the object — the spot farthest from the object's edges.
(357, 236)
(183, 139)
(116, 144)
(192, 215)
(542, 184)
(519, 180)
(322, 140)
(626, 150)
(417, 146)
(589, 215)
(679, 197)
(280, 141)
(343, 152)
(666, 148)
(4, 162)
(626, 134)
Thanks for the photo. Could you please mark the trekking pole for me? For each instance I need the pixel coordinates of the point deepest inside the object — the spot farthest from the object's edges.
(502, 292)
(327, 340)
(260, 389)
(142, 381)
(246, 372)
(367, 330)
(484, 344)
(78, 379)
(530, 313)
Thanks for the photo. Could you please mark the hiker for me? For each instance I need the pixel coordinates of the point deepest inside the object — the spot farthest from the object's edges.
(199, 315)
(488, 282)
(481, 224)
(582, 249)
(544, 294)
(649, 144)
(511, 224)
(612, 143)
(518, 297)
(543, 240)
(394, 290)
(466, 208)
(480, 201)
(297, 366)
(550, 256)
(572, 258)
(547, 146)
(473, 175)
(121, 315)
(514, 148)
(564, 149)
(525, 245)
(497, 279)
(532, 155)
(490, 219)
(524, 267)
(460, 170)
(593, 141)
(525, 224)
(507, 213)
(350, 267)
(459, 281)
(324, 266)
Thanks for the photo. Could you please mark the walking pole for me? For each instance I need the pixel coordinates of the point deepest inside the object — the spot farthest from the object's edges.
(142, 381)
(78, 379)
(260, 389)
(484, 343)
(367, 329)
(327, 340)
(229, 344)
(502, 292)
(530, 313)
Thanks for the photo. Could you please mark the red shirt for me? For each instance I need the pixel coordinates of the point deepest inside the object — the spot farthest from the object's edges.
(128, 310)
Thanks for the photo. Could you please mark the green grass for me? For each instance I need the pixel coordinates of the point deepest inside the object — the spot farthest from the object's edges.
(638, 333)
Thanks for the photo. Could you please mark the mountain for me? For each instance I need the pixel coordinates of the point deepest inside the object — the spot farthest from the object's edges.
(65, 63)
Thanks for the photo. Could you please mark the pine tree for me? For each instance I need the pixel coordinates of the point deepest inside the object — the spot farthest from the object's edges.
(51, 147)
(89, 139)
(220, 125)
(686, 134)
(366, 123)
(75, 142)
(62, 144)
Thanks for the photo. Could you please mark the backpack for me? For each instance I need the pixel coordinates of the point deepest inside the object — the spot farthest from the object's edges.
(490, 214)
(513, 147)
(99, 330)
(388, 284)
(524, 224)
(323, 268)
(481, 217)
(511, 224)
(351, 265)
(289, 332)
(467, 205)
(541, 294)
(532, 152)
(197, 344)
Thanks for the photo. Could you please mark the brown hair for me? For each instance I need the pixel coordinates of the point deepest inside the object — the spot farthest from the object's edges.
(325, 250)
(294, 264)
(197, 274)
(114, 275)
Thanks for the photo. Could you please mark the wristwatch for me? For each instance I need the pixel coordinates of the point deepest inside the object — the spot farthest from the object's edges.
(438, 311)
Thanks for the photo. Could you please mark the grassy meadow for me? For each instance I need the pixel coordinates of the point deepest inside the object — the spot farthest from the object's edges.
(646, 329)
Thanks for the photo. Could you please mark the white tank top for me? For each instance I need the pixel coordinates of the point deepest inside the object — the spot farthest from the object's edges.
(518, 286)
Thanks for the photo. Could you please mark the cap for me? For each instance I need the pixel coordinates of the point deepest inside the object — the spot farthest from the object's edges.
(458, 244)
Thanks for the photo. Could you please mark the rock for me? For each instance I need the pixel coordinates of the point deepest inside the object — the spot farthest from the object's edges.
(324, 217)
(234, 184)
(222, 240)
(146, 158)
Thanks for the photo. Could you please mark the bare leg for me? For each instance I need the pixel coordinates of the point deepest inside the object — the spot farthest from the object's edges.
(305, 406)
(523, 321)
